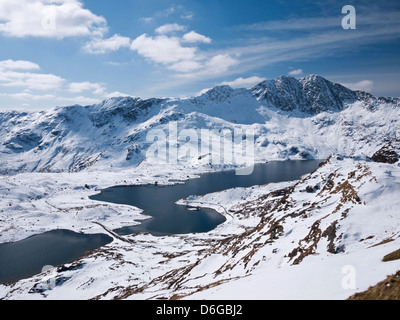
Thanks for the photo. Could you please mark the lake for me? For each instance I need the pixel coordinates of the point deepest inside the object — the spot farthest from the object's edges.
(167, 218)
(26, 258)
(23, 259)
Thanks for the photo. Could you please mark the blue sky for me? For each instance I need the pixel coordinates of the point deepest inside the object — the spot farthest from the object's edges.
(68, 52)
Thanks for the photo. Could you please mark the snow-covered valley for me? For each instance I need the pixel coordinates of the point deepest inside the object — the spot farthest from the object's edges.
(284, 240)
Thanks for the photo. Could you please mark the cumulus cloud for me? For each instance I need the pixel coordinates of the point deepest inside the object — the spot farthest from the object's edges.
(18, 65)
(163, 49)
(193, 37)
(49, 19)
(27, 83)
(170, 28)
(102, 46)
(79, 87)
(18, 74)
(188, 61)
(220, 64)
(296, 72)
(35, 81)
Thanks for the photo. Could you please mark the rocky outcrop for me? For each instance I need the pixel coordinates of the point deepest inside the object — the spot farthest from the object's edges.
(390, 153)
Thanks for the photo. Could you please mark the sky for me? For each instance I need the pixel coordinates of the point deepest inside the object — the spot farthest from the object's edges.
(66, 52)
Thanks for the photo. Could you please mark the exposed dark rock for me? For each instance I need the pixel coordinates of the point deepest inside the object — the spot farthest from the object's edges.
(330, 234)
(388, 153)
(309, 189)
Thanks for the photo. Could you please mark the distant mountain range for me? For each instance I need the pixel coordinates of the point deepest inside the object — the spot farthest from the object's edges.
(293, 119)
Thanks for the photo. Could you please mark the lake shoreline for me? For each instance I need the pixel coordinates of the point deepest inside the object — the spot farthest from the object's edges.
(162, 201)
(143, 218)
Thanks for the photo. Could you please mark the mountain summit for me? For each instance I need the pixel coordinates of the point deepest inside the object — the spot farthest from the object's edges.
(293, 119)
(312, 94)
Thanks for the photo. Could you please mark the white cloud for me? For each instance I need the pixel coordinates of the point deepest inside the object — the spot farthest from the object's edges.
(163, 49)
(27, 84)
(364, 85)
(49, 19)
(9, 77)
(170, 28)
(102, 46)
(296, 72)
(34, 81)
(193, 37)
(220, 64)
(18, 65)
(244, 82)
(187, 61)
(78, 87)
(215, 66)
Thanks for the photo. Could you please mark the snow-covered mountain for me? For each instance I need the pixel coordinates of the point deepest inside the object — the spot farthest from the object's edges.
(293, 119)
(311, 95)
(287, 240)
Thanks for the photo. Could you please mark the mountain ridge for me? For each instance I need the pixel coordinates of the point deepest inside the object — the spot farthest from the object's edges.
(303, 118)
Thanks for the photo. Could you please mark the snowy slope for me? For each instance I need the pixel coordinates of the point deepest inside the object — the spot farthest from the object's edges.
(293, 119)
(280, 241)
(298, 240)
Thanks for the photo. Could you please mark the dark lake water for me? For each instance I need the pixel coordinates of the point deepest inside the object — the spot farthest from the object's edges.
(169, 218)
(26, 258)
(23, 259)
